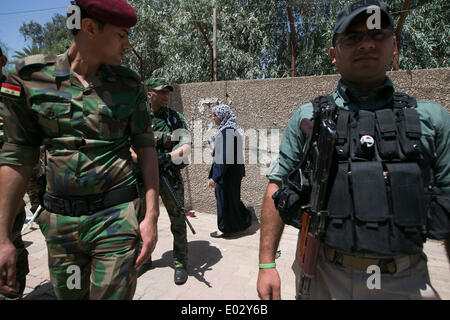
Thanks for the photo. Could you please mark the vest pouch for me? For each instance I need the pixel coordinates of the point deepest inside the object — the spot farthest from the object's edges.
(409, 133)
(386, 134)
(339, 232)
(362, 135)
(438, 222)
(408, 207)
(371, 207)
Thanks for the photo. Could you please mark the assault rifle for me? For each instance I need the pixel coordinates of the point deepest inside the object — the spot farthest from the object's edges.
(164, 161)
(316, 167)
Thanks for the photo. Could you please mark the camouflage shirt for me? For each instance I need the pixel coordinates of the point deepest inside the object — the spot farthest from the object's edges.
(86, 131)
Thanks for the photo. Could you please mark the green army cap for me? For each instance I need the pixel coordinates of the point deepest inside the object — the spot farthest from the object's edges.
(157, 84)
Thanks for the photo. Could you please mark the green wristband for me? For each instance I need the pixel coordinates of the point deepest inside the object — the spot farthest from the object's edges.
(267, 265)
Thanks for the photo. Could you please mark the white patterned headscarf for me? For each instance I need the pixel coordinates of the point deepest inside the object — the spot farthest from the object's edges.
(227, 121)
(226, 117)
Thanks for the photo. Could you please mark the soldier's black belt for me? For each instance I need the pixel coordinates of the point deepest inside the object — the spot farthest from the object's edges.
(387, 265)
(90, 204)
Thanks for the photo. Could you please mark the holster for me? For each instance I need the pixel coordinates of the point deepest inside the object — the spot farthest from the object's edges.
(291, 197)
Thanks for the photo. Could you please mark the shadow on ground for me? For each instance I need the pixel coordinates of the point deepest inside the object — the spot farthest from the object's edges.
(202, 256)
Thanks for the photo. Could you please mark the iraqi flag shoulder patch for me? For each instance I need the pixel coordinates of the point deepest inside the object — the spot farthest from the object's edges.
(11, 91)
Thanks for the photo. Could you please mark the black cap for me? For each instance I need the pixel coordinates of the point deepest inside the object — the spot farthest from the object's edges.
(350, 12)
(1, 52)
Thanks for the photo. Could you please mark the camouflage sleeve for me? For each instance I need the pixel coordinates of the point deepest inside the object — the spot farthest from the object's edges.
(182, 135)
(163, 140)
(435, 125)
(292, 147)
(22, 135)
(141, 122)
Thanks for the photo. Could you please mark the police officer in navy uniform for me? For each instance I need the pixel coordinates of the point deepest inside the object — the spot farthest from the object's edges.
(391, 184)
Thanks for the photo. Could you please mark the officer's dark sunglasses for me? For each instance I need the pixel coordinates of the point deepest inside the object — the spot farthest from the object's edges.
(353, 38)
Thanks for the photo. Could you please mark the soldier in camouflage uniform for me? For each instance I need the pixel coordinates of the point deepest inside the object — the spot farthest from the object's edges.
(85, 108)
(171, 136)
(22, 254)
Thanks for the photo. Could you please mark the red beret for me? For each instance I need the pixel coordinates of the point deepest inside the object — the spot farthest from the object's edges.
(115, 12)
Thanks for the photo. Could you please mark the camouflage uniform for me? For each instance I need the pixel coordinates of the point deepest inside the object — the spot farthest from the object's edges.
(34, 186)
(22, 254)
(165, 122)
(86, 132)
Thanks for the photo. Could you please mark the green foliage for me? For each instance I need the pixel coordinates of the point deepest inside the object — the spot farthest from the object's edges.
(253, 38)
(172, 45)
(27, 51)
(53, 37)
(425, 38)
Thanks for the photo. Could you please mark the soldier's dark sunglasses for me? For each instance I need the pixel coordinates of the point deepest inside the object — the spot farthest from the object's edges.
(353, 38)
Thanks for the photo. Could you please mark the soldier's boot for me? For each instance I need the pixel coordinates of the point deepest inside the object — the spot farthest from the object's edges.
(179, 232)
(180, 259)
(180, 276)
(180, 249)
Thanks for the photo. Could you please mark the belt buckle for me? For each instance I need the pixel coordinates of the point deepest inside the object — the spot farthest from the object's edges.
(97, 203)
(79, 206)
(388, 266)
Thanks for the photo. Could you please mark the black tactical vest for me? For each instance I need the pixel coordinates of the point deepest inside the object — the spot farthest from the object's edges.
(377, 201)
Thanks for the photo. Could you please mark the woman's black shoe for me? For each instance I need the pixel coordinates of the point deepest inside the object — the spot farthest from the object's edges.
(215, 234)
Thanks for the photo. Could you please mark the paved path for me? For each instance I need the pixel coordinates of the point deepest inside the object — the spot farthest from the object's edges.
(219, 269)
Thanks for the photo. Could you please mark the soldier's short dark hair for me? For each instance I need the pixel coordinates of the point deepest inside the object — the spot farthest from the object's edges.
(85, 15)
(1, 52)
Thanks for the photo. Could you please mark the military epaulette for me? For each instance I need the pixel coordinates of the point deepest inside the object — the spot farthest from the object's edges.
(122, 71)
(11, 90)
(36, 61)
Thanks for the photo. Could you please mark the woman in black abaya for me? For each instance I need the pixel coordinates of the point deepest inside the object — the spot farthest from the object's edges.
(227, 172)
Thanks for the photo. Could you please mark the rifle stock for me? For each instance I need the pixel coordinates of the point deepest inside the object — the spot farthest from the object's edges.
(306, 126)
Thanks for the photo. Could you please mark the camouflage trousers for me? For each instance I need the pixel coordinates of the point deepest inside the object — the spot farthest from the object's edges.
(33, 185)
(93, 257)
(177, 223)
(22, 255)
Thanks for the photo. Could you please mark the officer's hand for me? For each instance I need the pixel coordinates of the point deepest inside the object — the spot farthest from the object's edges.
(149, 236)
(8, 259)
(269, 284)
(133, 155)
(212, 183)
